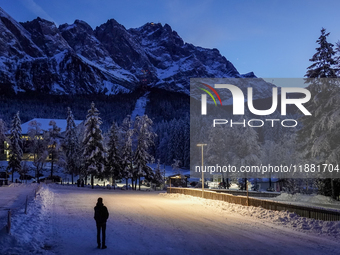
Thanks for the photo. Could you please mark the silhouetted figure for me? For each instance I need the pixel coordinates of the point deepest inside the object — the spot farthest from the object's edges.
(101, 215)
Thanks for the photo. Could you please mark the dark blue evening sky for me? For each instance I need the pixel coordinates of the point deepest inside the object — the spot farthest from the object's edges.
(273, 38)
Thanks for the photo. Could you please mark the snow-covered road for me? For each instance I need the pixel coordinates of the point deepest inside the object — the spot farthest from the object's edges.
(60, 221)
(147, 223)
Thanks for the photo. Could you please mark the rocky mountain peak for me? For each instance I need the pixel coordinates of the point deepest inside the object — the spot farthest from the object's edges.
(78, 24)
(111, 27)
(15, 41)
(82, 40)
(46, 36)
(74, 58)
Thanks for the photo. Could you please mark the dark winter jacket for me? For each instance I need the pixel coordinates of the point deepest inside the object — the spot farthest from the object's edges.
(101, 213)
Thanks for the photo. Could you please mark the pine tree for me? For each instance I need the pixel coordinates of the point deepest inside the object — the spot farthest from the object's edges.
(71, 145)
(127, 154)
(323, 59)
(37, 147)
(158, 177)
(186, 141)
(113, 166)
(270, 154)
(94, 153)
(145, 139)
(319, 133)
(247, 148)
(163, 137)
(54, 146)
(220, 151)
(15, 156)
(80, 131)
(3, 136)
(174, 149)
(176, 166)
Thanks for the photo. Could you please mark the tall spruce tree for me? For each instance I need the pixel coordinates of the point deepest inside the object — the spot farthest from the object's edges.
(186, 142)
(158, 178)
(319, 133)
(3, 136)
(71, 145)
(221, 151)
(94, 153)
(15, 144)
(126, 152)
(323, 59)
(113, 166)
(247, 149)
(54, 146)
(145, 139)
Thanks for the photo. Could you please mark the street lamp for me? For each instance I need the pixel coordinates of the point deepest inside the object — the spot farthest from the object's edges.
(202, 145)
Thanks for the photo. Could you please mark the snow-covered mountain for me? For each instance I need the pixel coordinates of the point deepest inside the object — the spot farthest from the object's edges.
(38, 56)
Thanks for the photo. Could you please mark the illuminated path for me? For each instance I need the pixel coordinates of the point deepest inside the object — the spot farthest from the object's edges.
(146, 223)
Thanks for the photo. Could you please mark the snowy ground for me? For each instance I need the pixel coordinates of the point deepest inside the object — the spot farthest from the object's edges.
(60, 221)
(13, 197)
(313, 200)
(140, 106)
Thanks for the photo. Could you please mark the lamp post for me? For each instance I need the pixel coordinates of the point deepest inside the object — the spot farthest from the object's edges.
(202, 145)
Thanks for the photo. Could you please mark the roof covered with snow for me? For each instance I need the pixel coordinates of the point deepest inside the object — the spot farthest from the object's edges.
(61, 123)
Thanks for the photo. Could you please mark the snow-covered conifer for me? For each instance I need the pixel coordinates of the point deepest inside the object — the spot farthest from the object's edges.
(126, 151)
(52, 138)
(3, 130)
(113, 166)
(176, 166)
(247, 148)
(163, 138)
(71, 145)
(221, 151)
(323, 59)
(15, 144)
(186, 141)
(145, 139)
(320, 131)
(93, 153)
(158, 177)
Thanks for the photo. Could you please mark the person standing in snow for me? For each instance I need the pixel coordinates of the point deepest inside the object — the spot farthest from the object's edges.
(101, 215)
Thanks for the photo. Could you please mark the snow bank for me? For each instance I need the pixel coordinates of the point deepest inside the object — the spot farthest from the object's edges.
(16, 185)
(283, 218)
(31, 232)
(313, 199)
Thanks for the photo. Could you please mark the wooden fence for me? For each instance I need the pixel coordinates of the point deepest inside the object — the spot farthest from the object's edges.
(304, 211)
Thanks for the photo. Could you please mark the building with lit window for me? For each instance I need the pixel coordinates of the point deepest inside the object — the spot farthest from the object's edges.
(44, 126)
